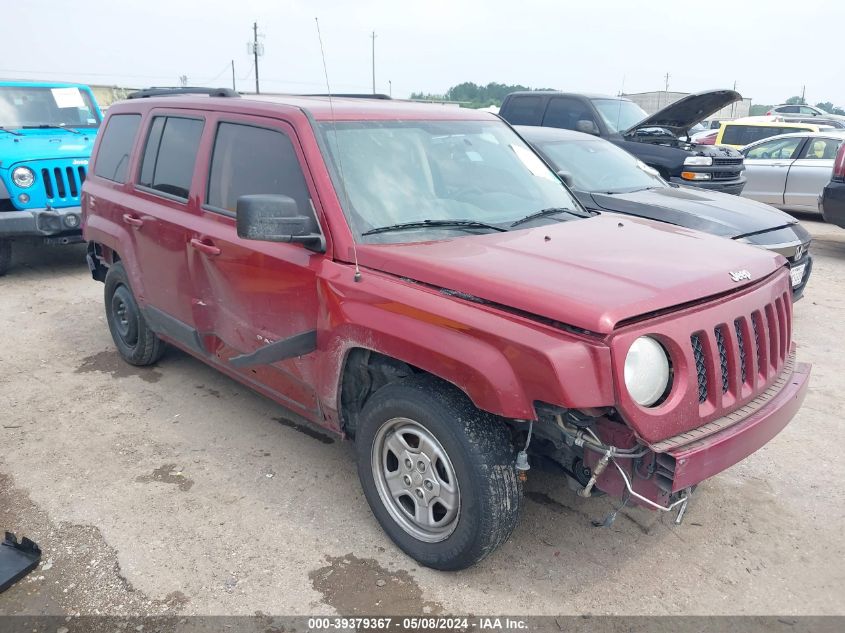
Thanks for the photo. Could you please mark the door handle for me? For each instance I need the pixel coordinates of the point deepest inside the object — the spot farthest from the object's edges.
(204, 246)
(133, 220)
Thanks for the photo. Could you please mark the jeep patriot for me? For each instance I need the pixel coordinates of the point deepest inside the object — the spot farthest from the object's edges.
(416, 278)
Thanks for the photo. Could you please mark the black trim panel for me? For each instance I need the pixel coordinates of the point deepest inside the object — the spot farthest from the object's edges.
(171, 327)
(297, 345)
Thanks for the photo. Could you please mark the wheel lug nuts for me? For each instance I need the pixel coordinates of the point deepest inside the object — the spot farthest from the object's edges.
(429, 484)
(407, 480)
(408, 463)
(421, 466)
(419, 493)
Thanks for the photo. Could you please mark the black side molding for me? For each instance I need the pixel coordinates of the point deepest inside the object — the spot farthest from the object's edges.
(297, 345)
(171, 327)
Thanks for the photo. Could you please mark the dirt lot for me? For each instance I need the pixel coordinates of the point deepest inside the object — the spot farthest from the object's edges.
(177, 490)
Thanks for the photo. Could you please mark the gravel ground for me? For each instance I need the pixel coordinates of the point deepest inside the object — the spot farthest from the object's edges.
(174, 490)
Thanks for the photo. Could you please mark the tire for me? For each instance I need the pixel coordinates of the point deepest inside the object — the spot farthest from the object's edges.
(462, 473)
(5, 256)
(135, 341)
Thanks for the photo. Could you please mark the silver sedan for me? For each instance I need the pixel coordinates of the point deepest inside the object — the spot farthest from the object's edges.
(789, 171)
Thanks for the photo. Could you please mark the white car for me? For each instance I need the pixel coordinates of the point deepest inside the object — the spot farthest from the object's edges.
(789, 171)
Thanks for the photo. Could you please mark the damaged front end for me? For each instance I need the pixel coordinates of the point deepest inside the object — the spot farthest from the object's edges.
(734, 385)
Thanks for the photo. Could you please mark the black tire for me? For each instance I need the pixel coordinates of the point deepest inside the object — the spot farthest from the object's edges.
(5, 256)
(482, 456)
(135, 341)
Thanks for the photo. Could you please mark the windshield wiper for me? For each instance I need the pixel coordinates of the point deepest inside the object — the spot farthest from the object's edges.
(12, 132)
(427, 223)
(45, 126)
(550, 211)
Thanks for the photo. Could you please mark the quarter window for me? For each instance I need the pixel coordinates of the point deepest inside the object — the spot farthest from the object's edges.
(250, 160)
(115, 147)
(170, 154)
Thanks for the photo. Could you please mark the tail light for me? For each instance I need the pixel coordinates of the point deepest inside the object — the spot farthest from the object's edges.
(770, 113)
(839, 163)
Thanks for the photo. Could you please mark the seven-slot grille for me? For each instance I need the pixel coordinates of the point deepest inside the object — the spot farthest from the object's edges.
(63, 183)
(728, 161)
(763, 335)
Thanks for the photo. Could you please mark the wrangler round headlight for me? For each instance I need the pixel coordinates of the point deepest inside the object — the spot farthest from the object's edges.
(23, 177)
(646, 371)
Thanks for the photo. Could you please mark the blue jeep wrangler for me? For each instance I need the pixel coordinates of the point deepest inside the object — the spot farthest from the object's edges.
(47, 131)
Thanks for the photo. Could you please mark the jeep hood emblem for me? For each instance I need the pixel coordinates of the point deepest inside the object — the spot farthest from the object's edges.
(739, 275)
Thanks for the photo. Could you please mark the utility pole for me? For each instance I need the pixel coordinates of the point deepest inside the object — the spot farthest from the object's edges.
(255, 54)
(389, 88)
(803, 89)
(373, 36)
(233, 76)
(667, 82)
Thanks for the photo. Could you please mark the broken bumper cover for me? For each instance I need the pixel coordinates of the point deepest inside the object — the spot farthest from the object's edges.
(704, 458)
(42, 223)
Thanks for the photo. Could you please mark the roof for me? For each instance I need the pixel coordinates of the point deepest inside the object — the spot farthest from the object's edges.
(319, 107)
(795, 124)
(835, 133)
(586, 95)
(40, 84)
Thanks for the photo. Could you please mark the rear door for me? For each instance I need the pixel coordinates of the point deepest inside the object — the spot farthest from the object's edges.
(767, 166)
(162, 206)
(809, 174)
(251, 296)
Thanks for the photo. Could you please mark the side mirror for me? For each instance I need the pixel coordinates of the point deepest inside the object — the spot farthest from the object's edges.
(566, 177)
(276, 218)
(587, 126)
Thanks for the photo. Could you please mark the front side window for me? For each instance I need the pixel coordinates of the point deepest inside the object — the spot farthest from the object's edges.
(250, 160)
(821, 149)
(416, 171)
(782, 148)
(790, 109)
(170, 154)
(570, 114)
(27, 107)
(599, 166)
(619, 114)
(115, 147)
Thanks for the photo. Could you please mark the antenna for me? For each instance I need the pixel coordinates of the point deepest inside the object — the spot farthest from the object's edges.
(337, 144)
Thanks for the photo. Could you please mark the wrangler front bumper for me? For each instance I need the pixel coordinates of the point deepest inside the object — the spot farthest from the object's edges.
(66, 222)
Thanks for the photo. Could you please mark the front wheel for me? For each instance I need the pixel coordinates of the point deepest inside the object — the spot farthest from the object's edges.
(5, 256)
(438, 473)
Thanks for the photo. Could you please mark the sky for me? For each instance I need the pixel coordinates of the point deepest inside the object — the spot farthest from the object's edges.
(605, 46)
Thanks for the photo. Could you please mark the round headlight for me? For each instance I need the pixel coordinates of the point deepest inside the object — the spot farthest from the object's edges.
(646, 371)
(23, 177)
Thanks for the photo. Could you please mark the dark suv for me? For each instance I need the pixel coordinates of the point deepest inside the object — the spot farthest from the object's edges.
(417, 278)
(660, 140)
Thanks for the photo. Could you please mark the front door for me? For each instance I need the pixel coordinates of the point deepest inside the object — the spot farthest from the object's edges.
(255, 303)
(767, 166)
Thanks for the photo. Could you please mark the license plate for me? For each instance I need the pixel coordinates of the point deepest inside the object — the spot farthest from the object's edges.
(797, 274)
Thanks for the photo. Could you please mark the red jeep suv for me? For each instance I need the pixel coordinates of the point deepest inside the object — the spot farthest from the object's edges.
(417, 278)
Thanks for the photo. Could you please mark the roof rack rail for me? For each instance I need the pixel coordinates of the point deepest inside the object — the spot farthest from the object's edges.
(350, 95)
(157, 91)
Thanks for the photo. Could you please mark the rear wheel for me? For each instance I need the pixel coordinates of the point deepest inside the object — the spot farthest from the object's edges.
(5, 256)
(438, 473)
(135, 341)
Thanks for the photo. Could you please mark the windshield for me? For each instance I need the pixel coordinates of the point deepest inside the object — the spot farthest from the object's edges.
(600, 167)
(619, 114)
(397, 172)
(33, 107)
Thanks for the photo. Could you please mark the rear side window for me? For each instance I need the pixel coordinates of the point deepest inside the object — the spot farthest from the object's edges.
(170, 155)
(745, 134)
(248, 160)
(115, 147)
(524, 110)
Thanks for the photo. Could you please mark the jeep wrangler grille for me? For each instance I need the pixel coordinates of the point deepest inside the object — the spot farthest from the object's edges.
(63, 182)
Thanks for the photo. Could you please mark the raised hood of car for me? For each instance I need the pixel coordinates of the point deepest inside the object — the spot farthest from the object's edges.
(711, 212)
(680, 116)
(44, 145)
(590, 274)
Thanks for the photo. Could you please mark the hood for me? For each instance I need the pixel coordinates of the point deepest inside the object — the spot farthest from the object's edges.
(680, 116)
(45, 145)
(709, 211)
(590, 273)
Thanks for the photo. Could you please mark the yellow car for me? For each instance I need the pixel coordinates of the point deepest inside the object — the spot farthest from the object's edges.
(741, 132)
